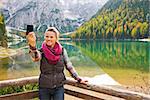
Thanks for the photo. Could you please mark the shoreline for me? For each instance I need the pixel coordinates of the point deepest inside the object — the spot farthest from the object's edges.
(133, 40)
(145, 90)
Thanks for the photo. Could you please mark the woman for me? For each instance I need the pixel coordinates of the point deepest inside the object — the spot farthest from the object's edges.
(52, 59)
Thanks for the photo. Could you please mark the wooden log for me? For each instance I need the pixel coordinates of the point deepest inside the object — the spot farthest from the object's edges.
(20, 96)
(19, 82)
(126, 94)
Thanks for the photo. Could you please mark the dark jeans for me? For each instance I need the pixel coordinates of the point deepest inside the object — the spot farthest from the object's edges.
(51, 94)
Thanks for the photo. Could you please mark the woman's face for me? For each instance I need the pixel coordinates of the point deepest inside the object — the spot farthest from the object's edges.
(50, 38)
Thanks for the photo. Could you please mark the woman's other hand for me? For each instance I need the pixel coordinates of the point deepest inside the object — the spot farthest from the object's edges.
(31, 39)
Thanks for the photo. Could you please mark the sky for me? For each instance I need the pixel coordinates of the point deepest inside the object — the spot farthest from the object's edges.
(3, 2)
(83, 1)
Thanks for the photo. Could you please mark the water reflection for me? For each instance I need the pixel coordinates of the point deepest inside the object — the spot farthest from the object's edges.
(127, 62)
(134, 55)
(21, 65)
(17, 65)
(107, 61)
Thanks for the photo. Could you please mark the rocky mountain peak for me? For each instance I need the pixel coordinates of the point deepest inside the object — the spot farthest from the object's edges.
(66, 15)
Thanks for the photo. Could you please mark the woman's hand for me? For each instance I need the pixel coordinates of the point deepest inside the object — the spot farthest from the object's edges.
(82, 81)
(31, 39)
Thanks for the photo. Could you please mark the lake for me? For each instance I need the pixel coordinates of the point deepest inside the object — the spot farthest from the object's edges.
(110, 62)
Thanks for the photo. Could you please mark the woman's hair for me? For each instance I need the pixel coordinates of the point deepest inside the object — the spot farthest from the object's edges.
(53, 29)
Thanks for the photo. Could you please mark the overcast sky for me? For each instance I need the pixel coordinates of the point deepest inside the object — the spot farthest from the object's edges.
(83, 1)
(102, 2)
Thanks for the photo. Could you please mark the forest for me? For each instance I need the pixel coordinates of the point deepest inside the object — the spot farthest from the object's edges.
(118, 19)
(3, 36)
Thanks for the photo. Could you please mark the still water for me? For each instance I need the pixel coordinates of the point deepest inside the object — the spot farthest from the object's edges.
(125, 62)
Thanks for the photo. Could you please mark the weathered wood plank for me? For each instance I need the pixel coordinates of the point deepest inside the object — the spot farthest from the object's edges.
(81, 95)
(91, 93)
(70, 97)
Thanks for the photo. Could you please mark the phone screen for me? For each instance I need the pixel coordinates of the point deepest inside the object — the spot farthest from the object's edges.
(29, 29)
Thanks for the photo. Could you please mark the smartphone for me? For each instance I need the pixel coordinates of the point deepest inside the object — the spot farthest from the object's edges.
(29, 29)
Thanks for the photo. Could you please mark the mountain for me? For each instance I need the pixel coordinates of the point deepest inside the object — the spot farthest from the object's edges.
(66, 15)
(118, 19)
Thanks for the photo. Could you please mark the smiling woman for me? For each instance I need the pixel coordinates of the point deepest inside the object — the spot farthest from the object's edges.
(53, 58)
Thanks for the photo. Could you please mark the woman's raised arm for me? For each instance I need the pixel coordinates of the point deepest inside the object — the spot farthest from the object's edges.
(35, 54)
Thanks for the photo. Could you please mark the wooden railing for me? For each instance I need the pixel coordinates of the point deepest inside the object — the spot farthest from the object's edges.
(120, 93)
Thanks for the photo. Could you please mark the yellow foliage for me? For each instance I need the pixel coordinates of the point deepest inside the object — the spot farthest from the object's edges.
(119, 29)
(115, 32)
(138, 24)
(1, 19)
(111, 29)
(133, 32)
(107, 31)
